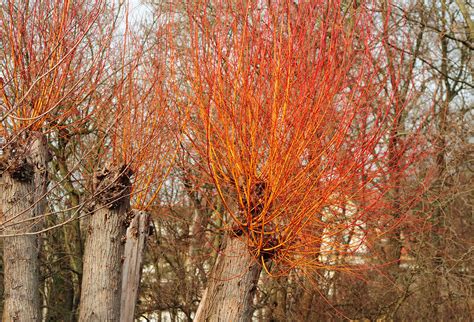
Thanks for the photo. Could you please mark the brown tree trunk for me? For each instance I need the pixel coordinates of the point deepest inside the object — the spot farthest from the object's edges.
(24, 179)
(132, 266)
(104, 247)
(60, 288)
(65, 288)
(231, 286)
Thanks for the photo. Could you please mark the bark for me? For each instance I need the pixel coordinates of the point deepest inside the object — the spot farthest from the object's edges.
(306, 310)
(279, 300)
(467, 17)
(232, 285)
(132, 265)
(65, 291)
(23, 169)
(60, 295)
(104, 247)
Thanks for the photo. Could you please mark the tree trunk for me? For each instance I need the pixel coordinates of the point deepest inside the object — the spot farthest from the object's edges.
(104, 247)
(132, 265)
(60, 294)
(232, 285)
(66, 307)
(24, 179)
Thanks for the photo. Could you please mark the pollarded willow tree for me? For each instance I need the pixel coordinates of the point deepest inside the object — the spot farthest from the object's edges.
(137, 144)
(286, 105)
(47, 74)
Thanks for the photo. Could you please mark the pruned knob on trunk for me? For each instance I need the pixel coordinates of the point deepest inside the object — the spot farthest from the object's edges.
(21, 155)
(112, 185)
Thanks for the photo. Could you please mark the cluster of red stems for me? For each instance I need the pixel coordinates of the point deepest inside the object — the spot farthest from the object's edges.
(287, 107)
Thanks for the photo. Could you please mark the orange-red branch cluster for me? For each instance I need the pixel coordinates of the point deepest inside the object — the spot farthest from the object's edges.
(138, 116)
(54, 59)
(287, 107)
